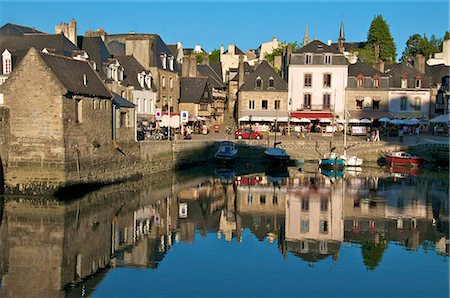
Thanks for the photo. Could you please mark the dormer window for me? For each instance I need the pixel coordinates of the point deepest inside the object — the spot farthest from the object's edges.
(376, 81)
(271, 83)
(327, 58)
(141, 78)
(360, 81)
(418, 82)
(120, 76)
(6, 62)
(84, 79)
(148, 81)
(163, 83)
(404, 82)
(258, 83)
(164, 60)
(171, 63)
(308, 58)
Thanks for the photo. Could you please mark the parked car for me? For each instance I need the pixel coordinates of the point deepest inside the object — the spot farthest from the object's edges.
(247, 134)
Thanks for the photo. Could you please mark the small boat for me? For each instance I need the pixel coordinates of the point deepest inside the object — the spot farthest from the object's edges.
(402, 158)
(331, 161)
(276, 154)
(227, 151)
(351, 160)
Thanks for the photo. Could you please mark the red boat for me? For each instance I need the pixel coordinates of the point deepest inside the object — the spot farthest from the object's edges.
(402, 158)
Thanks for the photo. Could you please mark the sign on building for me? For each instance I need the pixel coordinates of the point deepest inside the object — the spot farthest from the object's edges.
(158, 113)
(184, 116)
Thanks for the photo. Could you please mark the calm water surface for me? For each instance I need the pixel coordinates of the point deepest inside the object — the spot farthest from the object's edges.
(279, 232)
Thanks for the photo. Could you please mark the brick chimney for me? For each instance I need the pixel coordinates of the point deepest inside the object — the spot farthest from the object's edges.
(241, 71)
(419, 63)
(231, 49)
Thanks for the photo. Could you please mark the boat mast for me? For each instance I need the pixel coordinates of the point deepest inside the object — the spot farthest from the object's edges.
(276, 127)
(345, 131)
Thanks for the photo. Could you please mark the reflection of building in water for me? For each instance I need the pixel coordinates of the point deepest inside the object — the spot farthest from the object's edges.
(260, 205)
(402, 210)
(314, 218)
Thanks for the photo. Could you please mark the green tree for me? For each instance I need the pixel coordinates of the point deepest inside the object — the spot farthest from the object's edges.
(447, 35)
(215, 55)
(380, 40)
(367, 55)
(270, 57)
(416, 44)
(200, 56)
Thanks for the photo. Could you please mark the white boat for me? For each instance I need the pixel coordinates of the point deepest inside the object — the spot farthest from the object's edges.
(227, 151)
(351, 160)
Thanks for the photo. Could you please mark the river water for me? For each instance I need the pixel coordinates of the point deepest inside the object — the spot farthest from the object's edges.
(222, 232)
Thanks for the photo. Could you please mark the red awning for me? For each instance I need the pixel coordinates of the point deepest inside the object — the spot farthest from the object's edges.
(312, 115)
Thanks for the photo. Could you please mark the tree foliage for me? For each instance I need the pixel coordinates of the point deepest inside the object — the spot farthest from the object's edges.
(379, 41)
(447, 35)
(200, 56)
(214, 56)
(270, 57)
(416, 44)
(373, 253)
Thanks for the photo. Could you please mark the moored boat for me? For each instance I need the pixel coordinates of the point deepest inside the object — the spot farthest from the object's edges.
(403, 158)
(227, 151)
(276, 154)
(351, 160)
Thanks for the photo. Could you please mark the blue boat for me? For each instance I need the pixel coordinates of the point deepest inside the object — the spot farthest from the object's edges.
(332, 161)
(227, 151)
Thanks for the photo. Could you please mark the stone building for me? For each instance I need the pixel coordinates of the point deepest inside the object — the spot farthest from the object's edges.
(317, 78)
(60, 120)
(69, 30)
(367, 92)
(196, 96)
(154, 55)
(230, 59)
(263, 95)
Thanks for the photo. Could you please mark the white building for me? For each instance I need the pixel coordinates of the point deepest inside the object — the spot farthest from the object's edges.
(317, 81)
(230, 59)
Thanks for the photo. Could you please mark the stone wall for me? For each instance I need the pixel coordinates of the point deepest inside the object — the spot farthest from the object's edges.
(258, 97)
(4, 144)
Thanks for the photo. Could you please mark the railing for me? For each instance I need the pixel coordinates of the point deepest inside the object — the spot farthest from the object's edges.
(316, 108)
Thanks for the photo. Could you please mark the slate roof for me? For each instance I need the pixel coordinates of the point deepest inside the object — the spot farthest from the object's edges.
(131, 69)
(192, 90)
(350, 45)
(70, 73)
(173, 48)
(96, 50)
(437, 72)
(18, 45)
(364, 69)
(397, 70)
(265, 72)
(316, 46)
(14, 29)
(121, 102)
(217, 66)
(205, 70)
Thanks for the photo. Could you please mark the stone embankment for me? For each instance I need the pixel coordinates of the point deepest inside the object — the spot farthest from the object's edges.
(146, 158)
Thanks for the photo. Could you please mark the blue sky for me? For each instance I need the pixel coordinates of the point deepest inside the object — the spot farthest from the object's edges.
(245, 23)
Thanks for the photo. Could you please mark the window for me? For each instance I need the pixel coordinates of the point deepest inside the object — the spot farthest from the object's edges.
(359, 102)
(418, 82)
(323, 247)
(275, 200)
(360, 81)
(327, 59)
(249, 199)
(404, 83)
(305, 204)
(375, 104)
(79, 110)
(271, 83)
(403, 103)
(163, 82)
(327, 80)
(307, 101)
(203, 107)
(376, 82)
(323, 204)
(326, 101)
(277, 104)
(264, 104)
(323, 227)
(251, 104)
(308, 58)
(6, 62)
(2, 101)
(417, 103)
(164, 60)
(171, 63)
(258, 83)
(308, 80)
(123, 119)
(171, 83)
(304, 226)
(262, 199)
(304, 246)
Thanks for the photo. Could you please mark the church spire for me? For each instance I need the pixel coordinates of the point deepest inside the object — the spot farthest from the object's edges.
(341, 39)
(306, 37)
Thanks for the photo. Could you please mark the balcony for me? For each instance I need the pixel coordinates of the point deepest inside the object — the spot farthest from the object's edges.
(316, 108)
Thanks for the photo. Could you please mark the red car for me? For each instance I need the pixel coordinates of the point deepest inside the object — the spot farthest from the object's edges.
(247, 134)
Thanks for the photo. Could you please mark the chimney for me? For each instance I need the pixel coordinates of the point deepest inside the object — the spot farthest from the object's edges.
(205, 60)
(379, 66)
(221, 49)
(179, 45)
(192, 67)
(446, 51)
(419, 63)
(231, 49)
(241, 71)
(329, 42)
(185, 67)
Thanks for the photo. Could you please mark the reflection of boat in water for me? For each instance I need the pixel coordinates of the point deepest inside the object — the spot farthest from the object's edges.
(277, 175)
(225, 175)
(227, 151)
(331, 161)
(332, 173)
(405, 171)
